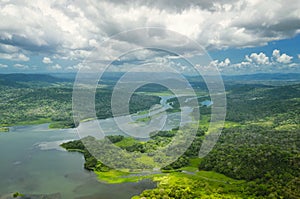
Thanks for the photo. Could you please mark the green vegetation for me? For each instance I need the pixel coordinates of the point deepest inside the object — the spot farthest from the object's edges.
(116, 177)
(144, 119)
(260, 142)
(201, 185)
(257, 102)
(144, 158)
(35, 105)
(175, 105)
(17, 194)
(4, 129)
(269, 159)
(257, 155)
(37, 99)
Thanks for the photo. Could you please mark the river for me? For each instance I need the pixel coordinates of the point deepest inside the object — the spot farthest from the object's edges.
(32, 162)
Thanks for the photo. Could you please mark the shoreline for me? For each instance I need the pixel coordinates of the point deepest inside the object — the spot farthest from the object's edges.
(4, 129)
(57, 125)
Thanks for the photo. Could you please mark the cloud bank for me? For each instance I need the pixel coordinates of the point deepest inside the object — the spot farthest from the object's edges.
(69, 30)
(258, 62)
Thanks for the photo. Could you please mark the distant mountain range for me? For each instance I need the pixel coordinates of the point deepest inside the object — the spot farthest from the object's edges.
(22, 80)
(264, 77)
(21, 77)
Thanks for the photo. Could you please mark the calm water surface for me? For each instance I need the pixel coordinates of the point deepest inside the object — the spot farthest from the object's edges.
(33, 163)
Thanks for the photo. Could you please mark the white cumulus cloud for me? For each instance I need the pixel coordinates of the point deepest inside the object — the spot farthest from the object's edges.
(260, 59)
(220, 64)
(14, 56)
(260, 62)
(47, 60)
(281, 58)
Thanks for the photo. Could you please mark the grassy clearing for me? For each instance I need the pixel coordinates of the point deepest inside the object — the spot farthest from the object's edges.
(117, 177)
(267, 122)
(144, 119)
(201, 185)
(34, 122)
(142, 112)
(217, 177)
(193, 166)
(127, 141)
(210, 178)
(229, 124)
(162, 93)
(288, 127)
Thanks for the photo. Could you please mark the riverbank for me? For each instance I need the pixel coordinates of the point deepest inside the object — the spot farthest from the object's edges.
(4, 129)
(52, 125)
(185, 180)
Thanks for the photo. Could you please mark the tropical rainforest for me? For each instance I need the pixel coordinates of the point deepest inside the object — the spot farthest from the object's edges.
(256, 156)
(42, 98)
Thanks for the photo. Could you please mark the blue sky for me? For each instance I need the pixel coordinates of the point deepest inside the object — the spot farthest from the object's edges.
(289, 46)
(241, 36)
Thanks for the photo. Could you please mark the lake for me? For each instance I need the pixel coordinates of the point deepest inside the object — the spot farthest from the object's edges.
(33, 163)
